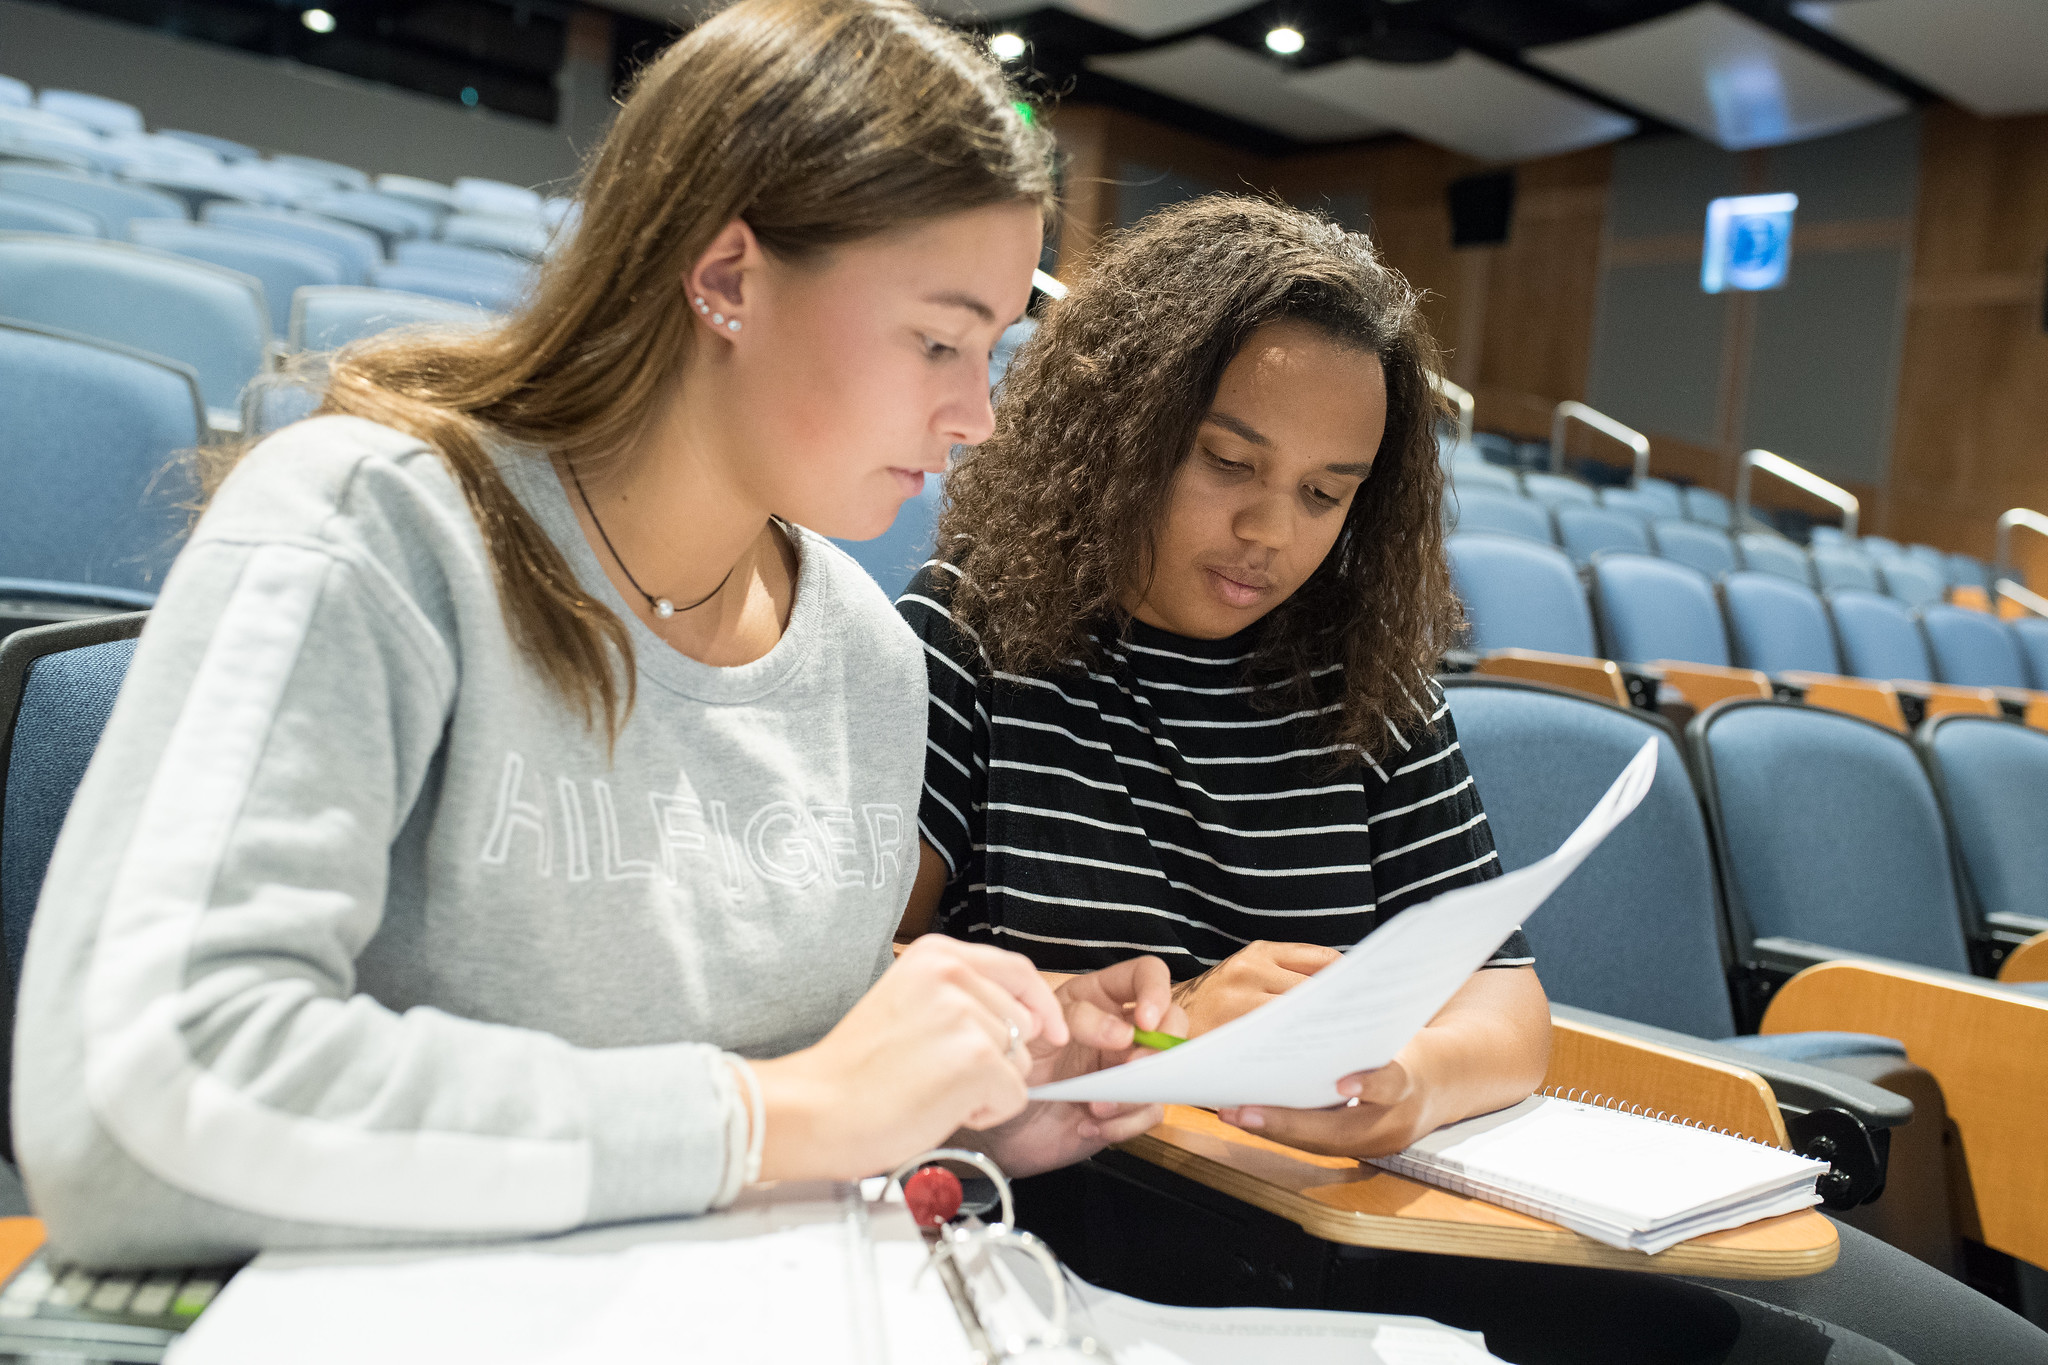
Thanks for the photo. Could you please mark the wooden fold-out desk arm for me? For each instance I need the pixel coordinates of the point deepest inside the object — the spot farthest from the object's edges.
(1346, 1201)
(2028, 962)
(1595, 677)
(1988, 1047)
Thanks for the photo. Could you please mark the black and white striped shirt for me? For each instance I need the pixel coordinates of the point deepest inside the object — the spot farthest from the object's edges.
(1090, 815)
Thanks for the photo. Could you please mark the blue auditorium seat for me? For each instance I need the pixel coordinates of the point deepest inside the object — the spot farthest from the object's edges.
(1967, 572)
(1875, 546)
(16, 94)
(474, 194)
(1706, 548)
(114, 204)
(492, 293)
(1879, 637)
(472, 260)
(283, 267)
(1824, 534)
(1911, 581)
(330, 172)
(431, 195)
(1829, 833)
(1776, 625)
(329, 317)
(510, 235)
(1469, 475)
(89, 489)
(200, 315)
(1495, 448)
(1634, 502)
(893, 558)
(2032, 634)
(1519, 594)
(392, 221)
(1500, 514)
(31, 213)
(1839, 564)
(1766, 553)
(1585, 531)
(225, 148)
(359, 249)
(1973, 649)
(1992, 780)
(1555, 490)
(1708, 507)
(96, 112)
(1650, 608)
(1930, 556)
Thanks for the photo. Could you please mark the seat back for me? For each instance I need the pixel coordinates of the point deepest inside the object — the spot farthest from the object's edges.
(1635, 931)
(1585, 531)
(1973, 649)
(57, 688)
(893, 558)
(1520, 595)
(473, 260)
(114, 204)
(2032, 634)
(431, 195)
(1828, 832)
(1706, 506)
(357, 249)
(1666, 496)
(326, 318)
(1472, 475)
(96, 112)
(1992, 780)
(1556, 490)
(1498, 514)
(1824, 534)
(389, 219)
(1911, 581)
(29, 213)
(200, 315)
(520, 238)
(1839, 565)
(90, 489)
(1636, 502)
(474, 194)
(283, 267)
(16, 94)
(1763, 552)
(479, 291)
(1650, 608)
(1776, 625)
(1967, 572)
(1879, 637)
(1705, 548)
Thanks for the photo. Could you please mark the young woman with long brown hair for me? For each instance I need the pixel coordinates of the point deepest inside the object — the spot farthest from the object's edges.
(505, 820)
(1179, 636)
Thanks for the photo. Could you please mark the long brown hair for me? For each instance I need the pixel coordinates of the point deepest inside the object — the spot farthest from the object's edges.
(818, 122)
(1052, 520)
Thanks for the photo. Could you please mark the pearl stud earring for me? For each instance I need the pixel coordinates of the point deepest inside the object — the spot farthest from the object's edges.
(717, 319)
(702, 306)
(733, 325)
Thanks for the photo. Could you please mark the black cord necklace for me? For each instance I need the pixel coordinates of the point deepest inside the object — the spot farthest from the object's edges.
(660, 606)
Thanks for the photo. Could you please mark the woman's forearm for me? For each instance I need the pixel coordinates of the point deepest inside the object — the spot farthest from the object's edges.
(1487, 1049)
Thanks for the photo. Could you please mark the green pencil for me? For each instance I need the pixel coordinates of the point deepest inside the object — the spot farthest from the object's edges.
(1158, 1042)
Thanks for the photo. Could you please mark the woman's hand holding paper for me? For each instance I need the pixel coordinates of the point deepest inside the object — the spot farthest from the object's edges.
(1247, 979)
(1100, 1009)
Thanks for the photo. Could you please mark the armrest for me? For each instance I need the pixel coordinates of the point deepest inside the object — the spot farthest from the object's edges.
(1794, 1084)
(1594, 677)
(1986, 1045)
(1873, 701)
(2020, 927)
(2028, 962)
(1704, 684)
(1599, 1061)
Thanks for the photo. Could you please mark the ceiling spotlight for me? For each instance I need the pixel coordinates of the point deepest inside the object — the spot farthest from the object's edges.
(319, 20)
(1285, 41)
(1008, 47)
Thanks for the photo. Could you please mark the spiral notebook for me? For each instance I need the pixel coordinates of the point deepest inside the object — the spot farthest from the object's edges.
(1630, 1180)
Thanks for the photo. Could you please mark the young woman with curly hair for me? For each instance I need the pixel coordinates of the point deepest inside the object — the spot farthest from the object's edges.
(1179, 635)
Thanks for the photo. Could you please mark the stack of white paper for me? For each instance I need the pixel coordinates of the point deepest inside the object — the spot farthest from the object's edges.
(1624, 1179)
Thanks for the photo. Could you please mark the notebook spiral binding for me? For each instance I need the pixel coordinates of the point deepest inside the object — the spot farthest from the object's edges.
(1572, 1095)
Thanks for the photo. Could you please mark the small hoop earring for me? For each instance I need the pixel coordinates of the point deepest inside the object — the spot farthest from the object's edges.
(733, 325)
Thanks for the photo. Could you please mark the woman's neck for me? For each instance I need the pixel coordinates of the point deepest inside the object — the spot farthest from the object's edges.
(668, 519)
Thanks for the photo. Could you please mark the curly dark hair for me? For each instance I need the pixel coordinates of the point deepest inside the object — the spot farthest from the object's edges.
(1052, 521)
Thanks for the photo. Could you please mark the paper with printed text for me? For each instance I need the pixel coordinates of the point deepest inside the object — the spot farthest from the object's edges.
(1361, 1010)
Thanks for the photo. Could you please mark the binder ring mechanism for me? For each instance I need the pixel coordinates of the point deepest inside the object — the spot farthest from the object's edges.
(961, 1255)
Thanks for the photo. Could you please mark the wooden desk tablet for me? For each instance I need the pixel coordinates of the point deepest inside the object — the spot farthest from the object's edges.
(1344, 1201)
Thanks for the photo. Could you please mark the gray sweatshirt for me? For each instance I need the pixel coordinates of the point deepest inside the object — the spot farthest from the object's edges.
(356, 934)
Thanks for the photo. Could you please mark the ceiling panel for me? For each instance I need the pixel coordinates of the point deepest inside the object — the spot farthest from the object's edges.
(1470, 104)
(1229, 80)
(1725, 77)
(1990, 56)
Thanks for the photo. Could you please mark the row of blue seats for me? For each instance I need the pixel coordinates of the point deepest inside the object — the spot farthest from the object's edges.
(1636, 608)
(1918, 575)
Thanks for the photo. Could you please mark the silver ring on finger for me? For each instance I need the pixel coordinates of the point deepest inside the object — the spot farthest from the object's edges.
(1016, 1037)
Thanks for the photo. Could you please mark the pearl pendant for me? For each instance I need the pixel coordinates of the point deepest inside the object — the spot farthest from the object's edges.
(664, 608)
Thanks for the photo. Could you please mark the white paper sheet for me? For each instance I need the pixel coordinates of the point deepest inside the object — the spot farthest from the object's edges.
(1361, 1010)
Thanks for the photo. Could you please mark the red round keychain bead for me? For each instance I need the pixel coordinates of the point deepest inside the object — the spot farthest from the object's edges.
(933, 1196)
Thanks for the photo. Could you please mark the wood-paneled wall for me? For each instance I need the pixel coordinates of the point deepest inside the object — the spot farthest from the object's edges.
(1516, 320)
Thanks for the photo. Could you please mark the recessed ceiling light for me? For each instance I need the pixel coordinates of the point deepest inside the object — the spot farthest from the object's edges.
(319, 20)
(1285, 41)
(1008, 47)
